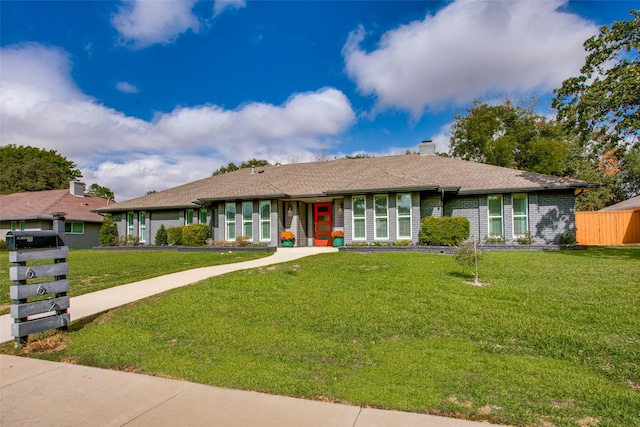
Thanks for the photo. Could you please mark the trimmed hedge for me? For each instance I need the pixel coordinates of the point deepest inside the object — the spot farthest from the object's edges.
(445, 231)
(174, 235)
(195, 235)
(161, 236)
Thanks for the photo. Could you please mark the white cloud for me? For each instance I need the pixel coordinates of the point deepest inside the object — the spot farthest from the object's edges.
(467, 50)
(221, 5)
(125, 87)
(142, 23)
(42, 107)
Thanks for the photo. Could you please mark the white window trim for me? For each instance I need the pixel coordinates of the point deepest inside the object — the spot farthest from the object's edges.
(130, 223)
(188, 213)
(353, 219)
(142, 226)
(206, 216)
(71, 223)
(489, 217)
(265, 221)
(398, 217)
(525, 216)
(376, 217)
(227, 222)
(249, 221)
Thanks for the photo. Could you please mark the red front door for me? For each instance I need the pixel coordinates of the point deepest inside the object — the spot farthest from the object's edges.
(322, 220)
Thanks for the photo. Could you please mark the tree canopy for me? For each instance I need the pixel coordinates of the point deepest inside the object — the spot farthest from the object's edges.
(510, 135)
(24, 168)
(233, 167)
(99, 191)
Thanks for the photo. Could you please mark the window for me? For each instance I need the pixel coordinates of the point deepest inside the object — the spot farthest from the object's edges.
(74, 227)
(203, 217)
(520, 214)
(230, 220)
(403, 208)
(247, 219)
(265, 221)
(359, 218)
(17, 225)
(130, 224)
(188, 217)
(495, 215)
(142, 226)
(380, 217)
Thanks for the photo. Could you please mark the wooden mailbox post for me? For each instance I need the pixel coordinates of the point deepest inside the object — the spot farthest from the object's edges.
(30, 317)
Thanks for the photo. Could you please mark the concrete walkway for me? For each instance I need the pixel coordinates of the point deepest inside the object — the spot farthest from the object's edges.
(40, 393)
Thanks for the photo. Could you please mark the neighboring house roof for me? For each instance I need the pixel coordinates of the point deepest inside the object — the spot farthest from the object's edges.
(40, 205)
(628, 205)
(409, 172)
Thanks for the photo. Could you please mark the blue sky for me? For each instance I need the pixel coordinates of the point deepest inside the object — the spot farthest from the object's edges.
(147, 95)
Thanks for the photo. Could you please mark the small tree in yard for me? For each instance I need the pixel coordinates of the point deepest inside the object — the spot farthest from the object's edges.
(161, 236)
(468, 255)
(108, 232)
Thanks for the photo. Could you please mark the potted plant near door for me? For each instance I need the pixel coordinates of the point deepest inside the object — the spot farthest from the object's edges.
(338, 238)
(287, 238)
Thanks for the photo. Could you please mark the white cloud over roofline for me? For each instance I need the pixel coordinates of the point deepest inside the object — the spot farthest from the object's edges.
(467, 50)
(42, 107)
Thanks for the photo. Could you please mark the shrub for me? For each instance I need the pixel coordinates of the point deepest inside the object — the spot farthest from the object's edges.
(174, 235)
(527, 239)
(567, 239)
(3, 245)
(108, 235)
(129, 241)
(195, 235)
(495, 239)
(243, 241)
(161, 236)
(446, 231)
(403, 243)
(468, 255)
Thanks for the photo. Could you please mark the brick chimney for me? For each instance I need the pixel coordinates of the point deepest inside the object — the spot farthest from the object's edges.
(77, 188)
(427, 148)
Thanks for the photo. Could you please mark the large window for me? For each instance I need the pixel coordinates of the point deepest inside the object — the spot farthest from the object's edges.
(188, 217)
(203, 216)
(359, 218)
(230, 221)
(381, 216)
(17, 225)
(130, 229)
(265, 221)
(74, 227)
(142, 227)
(495, 215)
(247, 220)
(403, 209)
(520, 214)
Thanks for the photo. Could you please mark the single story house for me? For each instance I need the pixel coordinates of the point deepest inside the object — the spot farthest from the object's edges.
(632, 204)
(375, 199)
(33, 211)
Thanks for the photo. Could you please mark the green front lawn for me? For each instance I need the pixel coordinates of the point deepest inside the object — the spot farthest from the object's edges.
(554, 341)
(91, 271)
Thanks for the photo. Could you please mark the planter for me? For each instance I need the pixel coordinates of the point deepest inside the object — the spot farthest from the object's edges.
(338, 241)
(287, 243)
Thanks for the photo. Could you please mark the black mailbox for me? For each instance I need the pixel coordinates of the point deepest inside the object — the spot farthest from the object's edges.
(32, 240)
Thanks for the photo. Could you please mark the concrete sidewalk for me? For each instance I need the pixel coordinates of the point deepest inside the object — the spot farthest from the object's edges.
(40, 393)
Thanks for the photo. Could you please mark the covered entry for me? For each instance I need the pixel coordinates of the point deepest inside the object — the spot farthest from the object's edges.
(322, 221)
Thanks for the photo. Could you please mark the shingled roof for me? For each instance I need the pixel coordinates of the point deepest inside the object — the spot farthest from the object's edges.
(37, 205)
(409, 172)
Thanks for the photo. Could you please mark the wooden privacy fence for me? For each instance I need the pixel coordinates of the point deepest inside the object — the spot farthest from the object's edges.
(608, 228)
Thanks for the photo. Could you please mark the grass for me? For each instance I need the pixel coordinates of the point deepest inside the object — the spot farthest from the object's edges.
(554, 341)
(91, 271)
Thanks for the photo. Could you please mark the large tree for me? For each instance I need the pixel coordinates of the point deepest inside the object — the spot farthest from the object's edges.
(99, 191)
(510, 135)
(24, 168)
(601, 107)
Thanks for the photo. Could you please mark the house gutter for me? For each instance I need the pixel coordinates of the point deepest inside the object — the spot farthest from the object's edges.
(204, 200)
(380, 190)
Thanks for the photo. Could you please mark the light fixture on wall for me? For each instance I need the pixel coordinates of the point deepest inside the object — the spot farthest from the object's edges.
(289, 211)
(340, 209)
